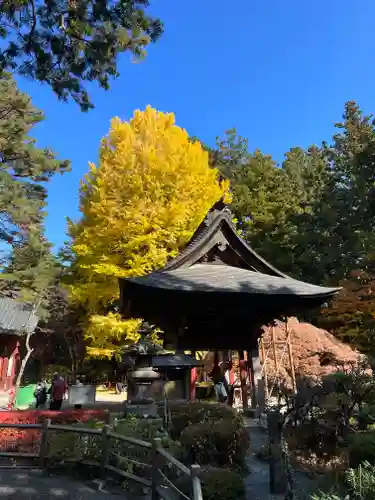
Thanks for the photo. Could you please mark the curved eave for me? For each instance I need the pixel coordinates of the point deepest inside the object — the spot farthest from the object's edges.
(212, 279)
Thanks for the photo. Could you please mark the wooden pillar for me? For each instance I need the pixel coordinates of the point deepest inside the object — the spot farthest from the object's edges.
(255, 374)
(273, 341)
(290, 355)
(278, 478)
(193, 380)
(264, 360)
(243, 373)
(231, 371)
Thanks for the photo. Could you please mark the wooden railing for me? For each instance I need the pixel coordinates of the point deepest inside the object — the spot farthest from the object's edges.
(161, 487)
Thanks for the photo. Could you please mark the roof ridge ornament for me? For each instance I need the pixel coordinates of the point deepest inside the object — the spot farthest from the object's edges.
(219, 208)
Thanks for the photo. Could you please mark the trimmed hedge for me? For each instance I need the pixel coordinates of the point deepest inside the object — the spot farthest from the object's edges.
(185, 414)
(221, 443)
(212, 434)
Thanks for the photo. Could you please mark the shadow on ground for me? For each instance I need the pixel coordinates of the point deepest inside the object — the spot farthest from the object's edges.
(27, 485)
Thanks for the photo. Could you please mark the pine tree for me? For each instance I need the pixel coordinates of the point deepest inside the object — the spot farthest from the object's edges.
(65, 43)
(24, 168)
(31, 273)
(140, 206)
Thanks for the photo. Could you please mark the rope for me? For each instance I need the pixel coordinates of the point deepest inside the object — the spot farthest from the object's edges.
(135, 462)
(169, 482)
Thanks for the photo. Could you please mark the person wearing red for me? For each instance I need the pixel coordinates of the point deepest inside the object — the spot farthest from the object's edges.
(57, 391)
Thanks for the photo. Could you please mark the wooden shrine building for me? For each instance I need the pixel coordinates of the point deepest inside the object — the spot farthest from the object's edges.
(16, 320)
(218, 293)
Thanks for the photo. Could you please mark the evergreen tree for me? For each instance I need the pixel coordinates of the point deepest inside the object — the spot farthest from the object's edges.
(24, 168)
(29, 269)
(32, 272)
(67, 42)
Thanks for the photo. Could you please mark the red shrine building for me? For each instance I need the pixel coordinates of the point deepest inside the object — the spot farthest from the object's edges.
(16, 320)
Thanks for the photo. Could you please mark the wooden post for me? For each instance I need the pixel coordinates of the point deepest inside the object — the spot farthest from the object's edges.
(196, 483)
(43, 452)
(104, 455)
(156, 443)
(264, 368)
(278, 478)
(193, 380)
(290, 354)
(243, 371)
(251, 374)
(274, 349)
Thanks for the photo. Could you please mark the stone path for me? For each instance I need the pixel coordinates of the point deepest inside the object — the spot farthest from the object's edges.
(257, 482)
(22, 484)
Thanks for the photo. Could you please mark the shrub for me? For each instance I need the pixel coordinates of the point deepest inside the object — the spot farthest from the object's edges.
(361, 482)
(362, 448)
(216, 484)
(328, 496)
(185, 414)
(224, 442)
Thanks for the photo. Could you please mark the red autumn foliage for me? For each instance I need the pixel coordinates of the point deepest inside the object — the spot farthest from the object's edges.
(310, 345)
(25, 440)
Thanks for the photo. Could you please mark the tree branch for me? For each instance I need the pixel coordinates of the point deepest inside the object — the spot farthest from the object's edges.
(30, 36)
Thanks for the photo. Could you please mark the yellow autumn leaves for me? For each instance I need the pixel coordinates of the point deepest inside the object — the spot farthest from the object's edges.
(139, 206)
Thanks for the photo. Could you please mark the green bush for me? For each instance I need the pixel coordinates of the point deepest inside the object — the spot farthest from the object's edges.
(362, 448)
(216, 484)
(359, 485)
(361, 482)
(185, 414)
(221, 443)
(328, 496)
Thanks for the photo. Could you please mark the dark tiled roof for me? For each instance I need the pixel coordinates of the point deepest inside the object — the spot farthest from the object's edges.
(222, 278)
(16, 318)
(175, 361)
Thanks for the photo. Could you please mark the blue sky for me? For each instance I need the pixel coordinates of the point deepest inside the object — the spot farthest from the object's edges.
(278, 71)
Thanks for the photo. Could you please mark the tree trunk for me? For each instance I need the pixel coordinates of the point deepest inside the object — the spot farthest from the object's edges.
(26, 358)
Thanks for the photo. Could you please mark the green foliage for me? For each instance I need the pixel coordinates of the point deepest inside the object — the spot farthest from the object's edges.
(328, 496)
(210, 434)
(362, 448)
(361, 482)
(217, 483)
(185, 414)
(31, 272)
(49, 371)
(325, 416)
(359, 485)
(222, 443)
(24, 168)
(65, 43)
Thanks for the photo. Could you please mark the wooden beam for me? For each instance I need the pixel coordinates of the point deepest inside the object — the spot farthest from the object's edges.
(263, 351)
(290, 355)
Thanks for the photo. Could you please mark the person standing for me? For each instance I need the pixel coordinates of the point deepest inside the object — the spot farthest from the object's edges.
(218, 378)
(40, 395)
(58, 390)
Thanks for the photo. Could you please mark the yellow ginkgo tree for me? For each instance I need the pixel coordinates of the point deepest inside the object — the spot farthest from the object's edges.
(140, 205)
